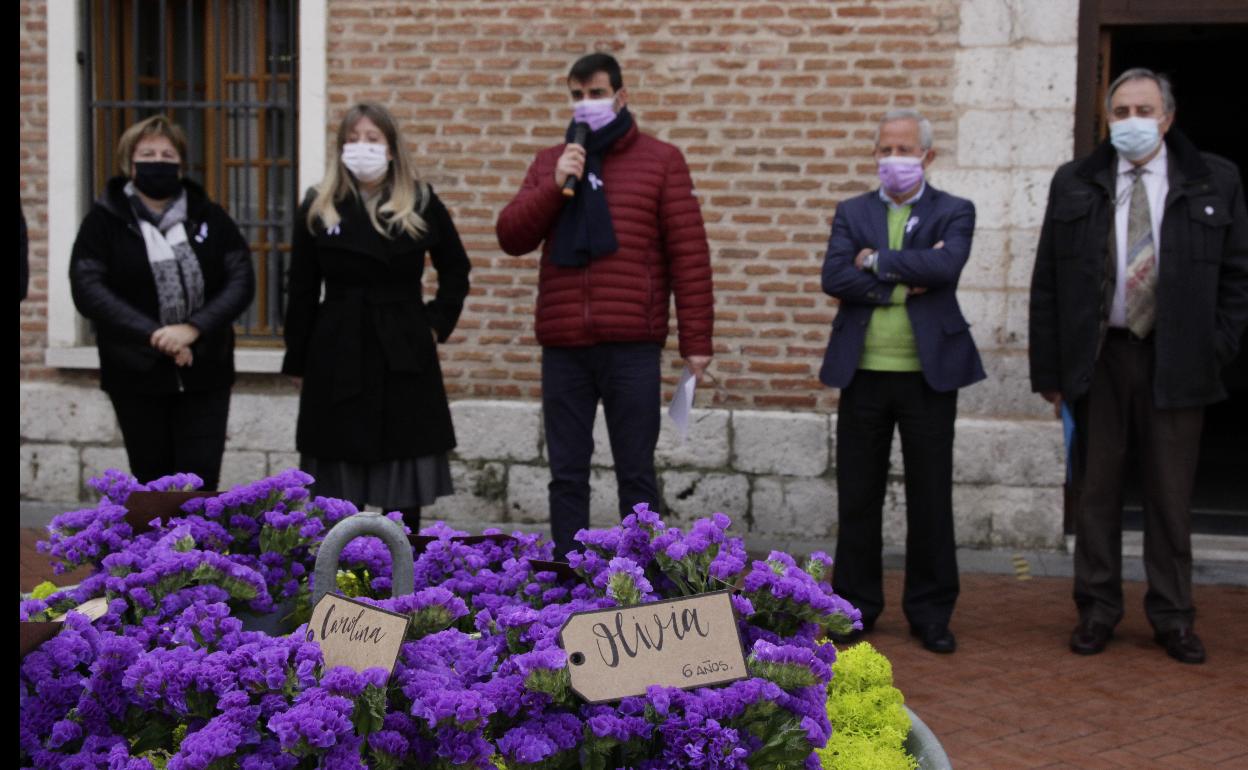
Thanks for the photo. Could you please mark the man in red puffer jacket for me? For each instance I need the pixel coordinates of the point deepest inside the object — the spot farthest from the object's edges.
(612, 256)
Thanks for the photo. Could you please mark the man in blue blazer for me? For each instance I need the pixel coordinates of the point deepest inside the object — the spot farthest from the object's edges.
(900, 349)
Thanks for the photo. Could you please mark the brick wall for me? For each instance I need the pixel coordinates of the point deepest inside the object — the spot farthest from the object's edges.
(774, 105)
(32, 127)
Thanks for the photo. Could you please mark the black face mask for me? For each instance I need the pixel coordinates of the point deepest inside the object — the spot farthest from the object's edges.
(157, 179)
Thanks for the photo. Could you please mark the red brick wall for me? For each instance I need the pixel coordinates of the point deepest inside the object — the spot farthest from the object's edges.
(32, 127)
(774, 105)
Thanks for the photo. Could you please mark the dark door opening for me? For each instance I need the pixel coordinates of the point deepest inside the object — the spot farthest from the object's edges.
(1202, 60)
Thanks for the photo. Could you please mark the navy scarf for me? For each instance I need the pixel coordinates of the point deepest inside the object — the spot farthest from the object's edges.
(585, 230)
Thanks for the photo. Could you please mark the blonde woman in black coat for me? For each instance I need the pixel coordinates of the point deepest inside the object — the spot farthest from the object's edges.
(374, 424)
(162, 272)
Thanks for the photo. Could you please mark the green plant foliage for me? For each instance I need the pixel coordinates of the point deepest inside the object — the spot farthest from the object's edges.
(869, 725)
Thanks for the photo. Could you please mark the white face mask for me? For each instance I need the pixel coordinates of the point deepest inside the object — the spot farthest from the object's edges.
(366, 160)
(1135, 138)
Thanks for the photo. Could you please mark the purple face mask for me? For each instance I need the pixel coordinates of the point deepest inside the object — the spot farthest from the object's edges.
(596, 113)
(899, 173)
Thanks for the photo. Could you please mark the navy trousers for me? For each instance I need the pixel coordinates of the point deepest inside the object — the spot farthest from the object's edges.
(625, 377)
(870, 407)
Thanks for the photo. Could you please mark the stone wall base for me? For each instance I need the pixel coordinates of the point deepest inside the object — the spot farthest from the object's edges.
(772, 472)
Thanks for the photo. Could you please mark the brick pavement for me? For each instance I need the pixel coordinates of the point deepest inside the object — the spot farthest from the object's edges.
(1013, 696)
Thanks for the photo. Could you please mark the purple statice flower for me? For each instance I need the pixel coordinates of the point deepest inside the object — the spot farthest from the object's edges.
(178, 482)
(791, 666)
(115, 485)
(785, 597)
(540, 739)
(625, 582)
(87, 536)
(318, 721)
(431, 610)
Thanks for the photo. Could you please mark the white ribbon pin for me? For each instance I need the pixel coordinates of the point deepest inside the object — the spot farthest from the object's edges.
(594, 181)
(911, 223)
(202, 235)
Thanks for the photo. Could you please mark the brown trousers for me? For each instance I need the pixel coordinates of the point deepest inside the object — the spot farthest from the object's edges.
(1117, 413)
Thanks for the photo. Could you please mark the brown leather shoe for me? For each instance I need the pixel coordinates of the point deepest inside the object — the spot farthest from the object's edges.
(1182, 644)
(1090, 637)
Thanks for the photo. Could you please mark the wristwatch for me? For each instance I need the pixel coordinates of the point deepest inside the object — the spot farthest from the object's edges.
(869, 262)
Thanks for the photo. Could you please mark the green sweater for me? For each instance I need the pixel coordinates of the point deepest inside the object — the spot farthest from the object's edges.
(889, 346)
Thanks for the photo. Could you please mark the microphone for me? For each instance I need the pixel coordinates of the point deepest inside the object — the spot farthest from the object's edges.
(578, 137)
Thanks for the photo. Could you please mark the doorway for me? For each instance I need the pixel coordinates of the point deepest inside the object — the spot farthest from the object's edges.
(1202, 54)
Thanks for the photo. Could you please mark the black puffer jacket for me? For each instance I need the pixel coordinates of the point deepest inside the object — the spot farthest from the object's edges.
(113, 286)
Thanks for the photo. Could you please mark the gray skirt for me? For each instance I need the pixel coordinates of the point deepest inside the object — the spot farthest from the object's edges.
(388, 484)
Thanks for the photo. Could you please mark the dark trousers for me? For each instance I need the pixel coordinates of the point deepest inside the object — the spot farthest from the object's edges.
(625, 376)
(174, 433)
(870, 407)
(1117, 412)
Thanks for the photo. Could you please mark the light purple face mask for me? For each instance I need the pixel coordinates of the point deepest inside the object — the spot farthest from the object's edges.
(899, 173)
(596, 113)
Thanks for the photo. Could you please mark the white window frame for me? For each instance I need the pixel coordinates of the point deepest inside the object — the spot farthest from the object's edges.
(68, 173)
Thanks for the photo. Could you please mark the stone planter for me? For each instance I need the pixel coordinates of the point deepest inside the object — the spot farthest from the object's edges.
(924, 746)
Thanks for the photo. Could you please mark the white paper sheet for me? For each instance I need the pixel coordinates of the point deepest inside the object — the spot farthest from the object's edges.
(682, 402)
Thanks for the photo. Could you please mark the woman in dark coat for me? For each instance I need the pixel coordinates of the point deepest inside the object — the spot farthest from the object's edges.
(162, 272)
(374, 423)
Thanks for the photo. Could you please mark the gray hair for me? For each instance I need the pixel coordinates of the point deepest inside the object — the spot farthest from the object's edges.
(925, 125)
(1143, 73)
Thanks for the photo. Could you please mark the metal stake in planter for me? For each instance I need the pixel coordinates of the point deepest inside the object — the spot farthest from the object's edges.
(402, 574)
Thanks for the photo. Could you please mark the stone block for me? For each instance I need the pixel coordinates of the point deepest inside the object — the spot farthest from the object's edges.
(1052, 21)
(242, 468)
(989, 260)
(972, 515)
(783, 443)
(497, 430)
(1022, 249)
(985, 23)
(983, 77)
(1021, 453)
(985, 312)
(65, 414)
(527, 501)
(1017, 312)
(692, 495)
(96, 460)
(986, 139)
(48, 472)
(894, 515)
(1026, 517)
(262, 421)
(1029, 198)
(480, 495)
(991, 190)
(1006, 393)
(793, 507)
(1044, 76)
(280, 461)
(1043, 139)
(706, 445)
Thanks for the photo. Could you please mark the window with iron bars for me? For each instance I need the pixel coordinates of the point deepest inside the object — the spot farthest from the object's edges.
(225, 70)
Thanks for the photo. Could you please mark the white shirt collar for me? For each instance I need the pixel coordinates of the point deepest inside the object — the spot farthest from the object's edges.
(1155, 166)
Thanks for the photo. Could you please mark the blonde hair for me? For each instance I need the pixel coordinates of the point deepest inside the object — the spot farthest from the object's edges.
(407, 194)
(156, 125)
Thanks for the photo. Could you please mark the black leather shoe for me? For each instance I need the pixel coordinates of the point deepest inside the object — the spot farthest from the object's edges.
(936, 637)
(855, 634)
(1182, 644)
(1090, 637)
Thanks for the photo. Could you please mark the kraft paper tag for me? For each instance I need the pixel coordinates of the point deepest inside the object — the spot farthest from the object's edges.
(94, 609)
(686, 643)
(357, 635)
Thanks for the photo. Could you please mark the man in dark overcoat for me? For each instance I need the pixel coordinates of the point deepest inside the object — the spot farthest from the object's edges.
(1139, 298)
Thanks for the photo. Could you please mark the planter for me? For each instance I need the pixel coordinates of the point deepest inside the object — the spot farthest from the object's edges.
(275, 623)
(924, 746)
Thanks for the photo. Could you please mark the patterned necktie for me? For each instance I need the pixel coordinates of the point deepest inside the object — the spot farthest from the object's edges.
(1141, 278)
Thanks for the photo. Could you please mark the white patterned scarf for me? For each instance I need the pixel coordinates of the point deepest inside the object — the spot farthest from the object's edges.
(179, 281)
